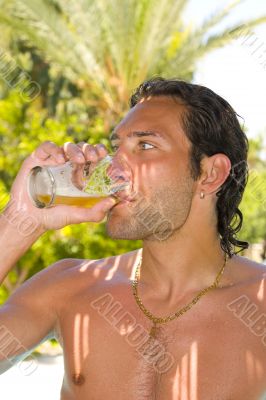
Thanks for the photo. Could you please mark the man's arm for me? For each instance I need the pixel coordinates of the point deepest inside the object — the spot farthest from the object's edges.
(13, 241)
(14, 329)
(29, 316)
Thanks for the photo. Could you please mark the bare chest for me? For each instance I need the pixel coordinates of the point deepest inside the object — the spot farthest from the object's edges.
(208, 353)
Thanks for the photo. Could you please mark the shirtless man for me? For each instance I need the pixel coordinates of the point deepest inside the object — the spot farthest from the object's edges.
(216, 350)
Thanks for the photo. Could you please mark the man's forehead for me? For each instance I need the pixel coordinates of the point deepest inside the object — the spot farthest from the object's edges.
(160, 114)
(152, 133)
(158, 105)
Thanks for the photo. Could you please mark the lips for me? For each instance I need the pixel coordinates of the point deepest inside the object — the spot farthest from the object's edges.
(124, 195)
(123, 202)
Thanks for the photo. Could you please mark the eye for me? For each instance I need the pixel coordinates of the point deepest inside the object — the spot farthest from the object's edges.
(142, 144)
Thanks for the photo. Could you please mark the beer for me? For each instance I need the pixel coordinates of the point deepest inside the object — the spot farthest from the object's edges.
(88, 201)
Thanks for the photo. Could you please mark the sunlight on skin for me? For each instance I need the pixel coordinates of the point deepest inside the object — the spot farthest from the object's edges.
(193, 371)
(137, 259)
(136, 177)
(183, 377)
(260, 294)
(185, 381)
(84, 266)
(126, 325)
(96, 272)
(81, 341)
(100, 267)
(254, 368)
(112, 270)
(145, 99)
(135, 183)
(85, 337)
(152, 171)
(77, 343)
(259, 369)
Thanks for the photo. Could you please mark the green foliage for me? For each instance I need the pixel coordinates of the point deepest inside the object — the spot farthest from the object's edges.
(253, 205)
(106, 48)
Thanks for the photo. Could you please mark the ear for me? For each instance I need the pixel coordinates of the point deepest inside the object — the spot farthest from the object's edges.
(215, 170)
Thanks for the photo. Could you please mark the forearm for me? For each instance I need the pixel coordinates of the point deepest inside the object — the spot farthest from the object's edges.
(17, 234)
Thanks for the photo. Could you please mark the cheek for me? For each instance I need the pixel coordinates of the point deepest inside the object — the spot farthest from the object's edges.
(166, 172)
(151, 176)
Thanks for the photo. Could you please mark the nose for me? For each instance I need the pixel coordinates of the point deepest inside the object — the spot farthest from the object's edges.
(121, 173)
(119, 169)
(121, 153)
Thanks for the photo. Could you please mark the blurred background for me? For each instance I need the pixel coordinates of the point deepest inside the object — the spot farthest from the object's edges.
(67, 70)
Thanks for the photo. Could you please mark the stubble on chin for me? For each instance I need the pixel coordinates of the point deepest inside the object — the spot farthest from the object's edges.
(157, 218)
(124, 226)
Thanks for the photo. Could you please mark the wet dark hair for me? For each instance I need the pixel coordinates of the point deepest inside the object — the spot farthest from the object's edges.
(211, 125)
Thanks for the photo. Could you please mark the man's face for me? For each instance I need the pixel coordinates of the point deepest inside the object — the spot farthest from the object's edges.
(151, 139)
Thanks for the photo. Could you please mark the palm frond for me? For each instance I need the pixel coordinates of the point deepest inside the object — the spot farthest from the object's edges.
(185, 60)
(230, 34)
(109, 47)
(215, 18)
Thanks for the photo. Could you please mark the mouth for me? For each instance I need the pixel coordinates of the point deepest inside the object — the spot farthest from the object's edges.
(122, 202)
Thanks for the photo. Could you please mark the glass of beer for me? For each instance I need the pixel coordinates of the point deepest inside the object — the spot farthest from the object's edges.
(80, 184)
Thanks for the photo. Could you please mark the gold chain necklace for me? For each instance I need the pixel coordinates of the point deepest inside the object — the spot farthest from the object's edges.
(163, 320)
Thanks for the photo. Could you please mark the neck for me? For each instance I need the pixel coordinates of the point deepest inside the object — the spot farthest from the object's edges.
(184, 263)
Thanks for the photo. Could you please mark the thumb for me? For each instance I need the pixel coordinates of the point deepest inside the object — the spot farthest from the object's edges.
(94, 214)
(105, 205)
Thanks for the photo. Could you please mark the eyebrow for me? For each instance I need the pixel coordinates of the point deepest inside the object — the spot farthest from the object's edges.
(115, 136)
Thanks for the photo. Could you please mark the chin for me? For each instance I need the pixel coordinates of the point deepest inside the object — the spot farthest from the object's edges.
(121, 227)
(121, 234)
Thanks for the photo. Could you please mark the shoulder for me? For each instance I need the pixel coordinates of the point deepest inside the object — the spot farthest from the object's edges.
(79, 273)
(40, 288)
(248, 277)
(247, 269)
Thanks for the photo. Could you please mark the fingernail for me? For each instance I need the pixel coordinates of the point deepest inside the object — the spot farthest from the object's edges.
(111, 202)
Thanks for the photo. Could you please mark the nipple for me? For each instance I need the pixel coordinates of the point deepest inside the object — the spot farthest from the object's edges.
(78, 379)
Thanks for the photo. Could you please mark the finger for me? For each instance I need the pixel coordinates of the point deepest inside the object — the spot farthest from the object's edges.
(89, 151)
(97, 213)
(77, 215)
(93, 153)
(49, 150)
(74, 153)
(102, 150)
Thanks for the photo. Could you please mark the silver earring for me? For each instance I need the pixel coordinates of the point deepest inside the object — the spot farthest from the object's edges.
(202, 195)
